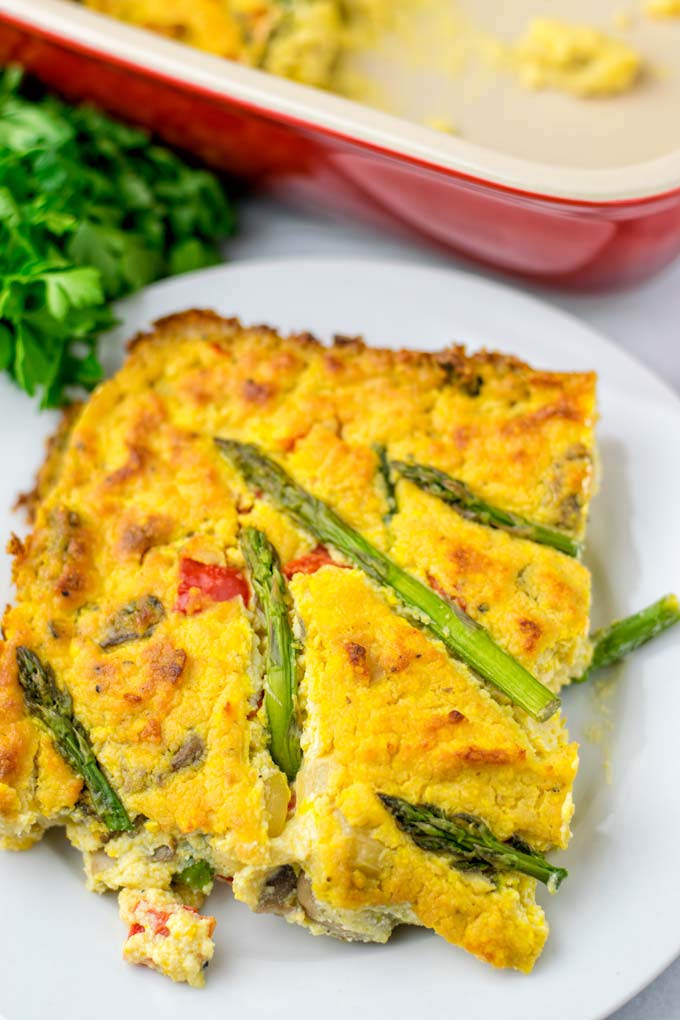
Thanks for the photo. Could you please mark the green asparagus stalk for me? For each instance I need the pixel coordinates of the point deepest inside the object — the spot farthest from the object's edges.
(462, 499)
(462, 636)
(280, 697)
(389, 488)
(469, 842)
(53, 708)
(621, 638)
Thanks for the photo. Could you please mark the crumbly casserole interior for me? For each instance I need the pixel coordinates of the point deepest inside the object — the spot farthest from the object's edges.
(166, 673)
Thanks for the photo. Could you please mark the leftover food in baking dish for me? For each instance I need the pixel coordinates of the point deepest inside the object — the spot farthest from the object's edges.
(305, 39)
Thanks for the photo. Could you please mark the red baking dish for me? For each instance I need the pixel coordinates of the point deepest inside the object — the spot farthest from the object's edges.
(578, 228)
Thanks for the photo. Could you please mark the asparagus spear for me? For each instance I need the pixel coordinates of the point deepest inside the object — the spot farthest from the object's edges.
(459, 496)
(462, 636)
(53, 707)
(384, 470)
(134, 621)
(280, 698)
(469, 842)
(623, 637)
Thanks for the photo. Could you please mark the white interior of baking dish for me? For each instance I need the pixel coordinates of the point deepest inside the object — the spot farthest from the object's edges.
(443, 75)
(602, 150)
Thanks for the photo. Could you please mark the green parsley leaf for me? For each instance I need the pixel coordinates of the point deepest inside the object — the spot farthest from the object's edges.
(191, 254)
(72, 288)
(6, 346)
(90, 210)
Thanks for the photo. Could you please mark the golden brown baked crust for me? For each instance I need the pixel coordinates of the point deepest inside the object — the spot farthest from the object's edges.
(136, 489)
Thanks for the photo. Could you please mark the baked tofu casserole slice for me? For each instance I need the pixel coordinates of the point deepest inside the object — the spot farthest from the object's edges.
(204, 678)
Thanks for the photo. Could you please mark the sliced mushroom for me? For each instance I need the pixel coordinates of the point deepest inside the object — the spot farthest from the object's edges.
(278, 892)
(306, 898)
(315, 911)
(135, 621)
(191, 751)
(163, 853)
(369, 925)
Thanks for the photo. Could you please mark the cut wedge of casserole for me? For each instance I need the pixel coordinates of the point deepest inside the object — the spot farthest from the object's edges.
(136, 618)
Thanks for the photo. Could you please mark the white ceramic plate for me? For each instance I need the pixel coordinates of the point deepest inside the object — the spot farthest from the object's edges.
(615, 921)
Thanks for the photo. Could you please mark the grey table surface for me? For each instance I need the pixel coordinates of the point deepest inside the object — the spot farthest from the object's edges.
(644, 320)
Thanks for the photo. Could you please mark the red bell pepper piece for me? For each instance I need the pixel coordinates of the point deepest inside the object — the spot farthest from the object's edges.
(220, 584)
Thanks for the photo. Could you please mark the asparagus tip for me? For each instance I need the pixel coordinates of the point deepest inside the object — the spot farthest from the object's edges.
(468, 841)
(613, 643)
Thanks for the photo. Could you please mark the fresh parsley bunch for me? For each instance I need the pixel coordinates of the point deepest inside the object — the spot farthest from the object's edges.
(90, 209)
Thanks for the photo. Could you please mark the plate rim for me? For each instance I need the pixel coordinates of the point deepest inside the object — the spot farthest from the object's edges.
(655, 386)
(467, 277)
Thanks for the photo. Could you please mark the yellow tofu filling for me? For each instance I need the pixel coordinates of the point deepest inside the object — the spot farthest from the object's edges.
(663, 8)
(575, 59)
(166, 935)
